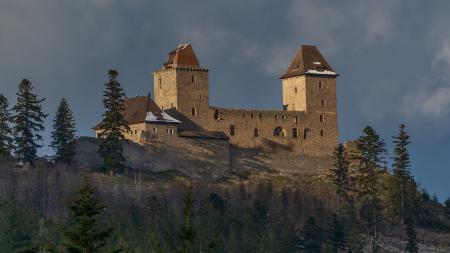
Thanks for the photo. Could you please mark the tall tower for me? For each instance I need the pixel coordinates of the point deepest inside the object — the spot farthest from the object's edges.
(183, 85)
(309, 85)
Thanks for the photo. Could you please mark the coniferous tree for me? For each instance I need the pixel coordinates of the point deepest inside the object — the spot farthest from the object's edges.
(63, 133)
(28, 120)
(84, 232)
(340, 176)
(338, 239)
(370, 158)
(411, 244)
(113, 124)
(312, 237)
(188, 232)
(403, 187)
(5, 130)
(447, 206)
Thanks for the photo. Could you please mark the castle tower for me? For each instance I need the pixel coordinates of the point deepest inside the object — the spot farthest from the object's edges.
(309, 85)
(183, 85)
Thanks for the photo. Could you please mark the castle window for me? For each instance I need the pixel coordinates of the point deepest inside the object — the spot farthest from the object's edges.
(160, 83)
(280, 132)
(283, 116)
(193, 79)
(232, 130)
(295, 119)
(321, 133)
(200, 96)
(256, 132)
(324, 103)
(305, 133)
(252, 115)
(294, 133)
(194, 111)
(295, 89)
(170, 131)
(322, 118)
(243, 115)
(172, 105)
(260, 116)
(162, 107)
(135, 131)
(320, 85)
(217, 115)
(155, 130)
(276, 116)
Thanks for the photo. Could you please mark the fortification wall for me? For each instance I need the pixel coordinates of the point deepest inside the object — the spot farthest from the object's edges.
(301, 132)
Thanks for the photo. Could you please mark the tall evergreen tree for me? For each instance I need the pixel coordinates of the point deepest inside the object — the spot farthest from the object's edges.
(403, 187)
(5, 130)
(28, 120)
(312, 237)
(411, 244)
(85, 234)
(340, 176)
(63, 134)
(188, 233)
(113, 124)
(370, 158)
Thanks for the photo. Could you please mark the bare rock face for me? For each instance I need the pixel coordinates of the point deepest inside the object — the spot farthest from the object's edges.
(203, 158)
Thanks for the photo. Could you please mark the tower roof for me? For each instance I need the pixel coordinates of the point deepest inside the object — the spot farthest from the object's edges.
(309, 61)
(183, 55)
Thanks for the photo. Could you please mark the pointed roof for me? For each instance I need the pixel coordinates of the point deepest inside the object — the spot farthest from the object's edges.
(183, 55)
(309, 61)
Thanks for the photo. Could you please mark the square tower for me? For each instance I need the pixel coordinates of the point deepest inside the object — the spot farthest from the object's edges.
(309, 85)
(183, 85)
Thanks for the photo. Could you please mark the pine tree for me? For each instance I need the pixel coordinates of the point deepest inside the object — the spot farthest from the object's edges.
(338, 239)
(5, 130)
(447, 207)
(403, 187)
(411, 244)
(85, 233)
(113, 124)
(63, 134)
(188, 232)
(311, 237)
(28, 120)
(340, 176)
(370, 158)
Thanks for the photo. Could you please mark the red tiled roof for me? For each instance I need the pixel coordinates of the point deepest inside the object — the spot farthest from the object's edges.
(309, 61)
(183, 55)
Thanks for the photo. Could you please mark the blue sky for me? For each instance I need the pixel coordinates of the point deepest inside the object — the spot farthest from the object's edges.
(393, 57)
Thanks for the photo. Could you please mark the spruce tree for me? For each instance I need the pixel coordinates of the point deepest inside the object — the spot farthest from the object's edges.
(113, 124)
(340, 176)
(338, 239)
(370, 158)
(411, 244)
(5, 130)
(28, 120)
(403, 187)
(188, 233)
(312, 237)
(63, 135)
(84, 232)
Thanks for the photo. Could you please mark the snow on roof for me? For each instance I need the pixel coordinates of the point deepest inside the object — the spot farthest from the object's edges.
(182, 46)
(324, 72)
(161, 117)
(317, 62)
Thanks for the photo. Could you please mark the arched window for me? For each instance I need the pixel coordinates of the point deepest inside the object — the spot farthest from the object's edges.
(280, 132)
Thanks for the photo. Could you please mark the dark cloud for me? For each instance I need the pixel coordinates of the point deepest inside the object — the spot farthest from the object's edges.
(393, 57)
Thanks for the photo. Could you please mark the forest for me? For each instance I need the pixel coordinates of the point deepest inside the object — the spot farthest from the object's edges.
(366, 202)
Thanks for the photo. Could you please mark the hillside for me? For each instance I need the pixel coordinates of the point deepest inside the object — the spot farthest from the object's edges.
(249, 195)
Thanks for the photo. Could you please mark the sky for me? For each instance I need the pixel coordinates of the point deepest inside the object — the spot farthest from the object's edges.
(393, 57)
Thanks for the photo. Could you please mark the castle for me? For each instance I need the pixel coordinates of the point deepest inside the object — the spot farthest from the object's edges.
(307, 123)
